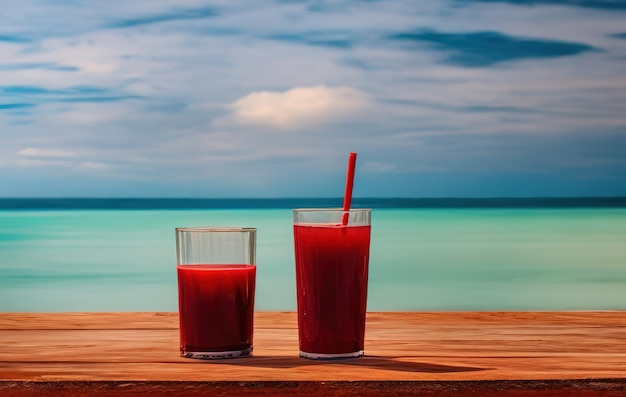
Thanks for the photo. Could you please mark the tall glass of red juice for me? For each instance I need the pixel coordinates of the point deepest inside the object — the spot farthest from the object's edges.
(216, 281)
(332, 258)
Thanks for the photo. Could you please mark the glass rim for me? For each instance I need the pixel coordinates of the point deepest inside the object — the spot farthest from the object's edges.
(331, 210)
(193, 229)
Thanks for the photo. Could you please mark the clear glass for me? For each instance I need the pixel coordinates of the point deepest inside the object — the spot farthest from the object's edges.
(216, 269)
(332, 261)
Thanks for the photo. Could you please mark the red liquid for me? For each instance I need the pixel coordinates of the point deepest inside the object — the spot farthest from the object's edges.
(216, 305)
(331, 276)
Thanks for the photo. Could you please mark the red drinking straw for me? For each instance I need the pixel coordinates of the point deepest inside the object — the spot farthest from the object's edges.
(347, 197)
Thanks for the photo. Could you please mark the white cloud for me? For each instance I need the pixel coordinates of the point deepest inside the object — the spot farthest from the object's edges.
(298, 106)
(90, 165)
(35, 152)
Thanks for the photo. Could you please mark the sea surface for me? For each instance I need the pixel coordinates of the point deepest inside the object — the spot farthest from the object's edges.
(426, 254)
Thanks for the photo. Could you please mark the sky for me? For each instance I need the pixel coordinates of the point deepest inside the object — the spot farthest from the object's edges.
(189, 98)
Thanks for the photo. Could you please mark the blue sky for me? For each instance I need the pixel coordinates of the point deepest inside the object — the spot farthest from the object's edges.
(455, 98)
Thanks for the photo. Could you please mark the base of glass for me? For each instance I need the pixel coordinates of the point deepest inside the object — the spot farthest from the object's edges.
(217, 355)
(338, 356)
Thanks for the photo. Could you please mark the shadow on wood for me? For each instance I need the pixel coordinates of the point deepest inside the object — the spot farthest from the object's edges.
(379, 362)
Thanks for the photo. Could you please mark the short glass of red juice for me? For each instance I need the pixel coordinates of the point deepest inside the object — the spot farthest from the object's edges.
(332, 258)
(216, 283)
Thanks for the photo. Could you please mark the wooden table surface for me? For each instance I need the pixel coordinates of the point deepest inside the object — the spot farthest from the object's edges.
(435, 354)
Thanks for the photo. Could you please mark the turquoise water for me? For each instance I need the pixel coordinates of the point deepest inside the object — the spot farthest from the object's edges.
(421, 259)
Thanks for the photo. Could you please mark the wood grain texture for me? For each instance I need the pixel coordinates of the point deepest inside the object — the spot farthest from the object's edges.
(482, 348)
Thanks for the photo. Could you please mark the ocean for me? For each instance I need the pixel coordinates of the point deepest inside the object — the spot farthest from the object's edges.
(61, 255)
